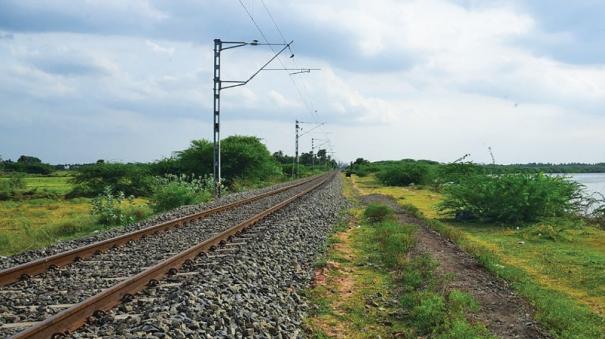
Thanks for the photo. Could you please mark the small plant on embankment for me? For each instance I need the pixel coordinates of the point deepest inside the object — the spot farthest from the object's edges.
(113, 209)
(377, 213)
(427, 307)
(372, 288)
(511, 198)
(172, 191)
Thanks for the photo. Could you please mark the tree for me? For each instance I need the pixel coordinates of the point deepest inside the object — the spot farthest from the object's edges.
(282, 158)
(197, 159)
(306, 158)
(132, 179)
(361, 161)
(26, 159)
(321, 154)
(242, 157)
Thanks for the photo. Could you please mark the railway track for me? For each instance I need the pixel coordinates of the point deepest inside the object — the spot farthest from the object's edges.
(55, 295)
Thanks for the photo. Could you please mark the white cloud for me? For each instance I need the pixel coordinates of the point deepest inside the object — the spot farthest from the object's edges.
(158, 48)
(469, 83)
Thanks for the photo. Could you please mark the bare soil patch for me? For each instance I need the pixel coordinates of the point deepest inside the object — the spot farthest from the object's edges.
(504, 313)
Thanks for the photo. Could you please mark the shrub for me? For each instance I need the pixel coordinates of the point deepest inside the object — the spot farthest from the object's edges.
(173, 191)
(377, 213)
(107, 208)
(360, 171)
(131, 179)
(32, 167)
(12, 188)
(594, 209)
(404, 174)
(511, 197)
(455, 172)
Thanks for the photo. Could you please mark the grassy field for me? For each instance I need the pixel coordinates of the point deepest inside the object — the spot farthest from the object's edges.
(558, 265)
(37, 223)
(58, 183)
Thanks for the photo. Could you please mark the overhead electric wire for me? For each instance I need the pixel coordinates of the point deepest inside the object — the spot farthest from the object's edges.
(309, 106)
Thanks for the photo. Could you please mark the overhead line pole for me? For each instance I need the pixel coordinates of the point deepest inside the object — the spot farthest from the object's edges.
(219, 46)
(297, 137)
(296, 143)
(313, 150)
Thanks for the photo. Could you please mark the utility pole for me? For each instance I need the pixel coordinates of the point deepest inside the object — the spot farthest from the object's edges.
(312, 153)
(313, 140)
(216, 157)
(298, 136)
(220, 46)
(296, 151)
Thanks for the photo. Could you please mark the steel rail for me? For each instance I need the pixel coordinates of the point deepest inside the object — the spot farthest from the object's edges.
(29, 269)
(72, 318)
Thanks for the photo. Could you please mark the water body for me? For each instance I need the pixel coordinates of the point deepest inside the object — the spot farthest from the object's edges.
(593, 182)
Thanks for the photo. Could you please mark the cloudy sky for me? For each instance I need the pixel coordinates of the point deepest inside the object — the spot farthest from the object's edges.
(433, 79)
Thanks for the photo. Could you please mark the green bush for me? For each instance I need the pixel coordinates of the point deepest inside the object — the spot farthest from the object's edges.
(394, 240)
(12, 188)
(377, 213)
(429, 311)
(511, 197)
(131, 179)
(404, 174)
(109, 210)
(455, 172)
(173, 191)
(32, 167)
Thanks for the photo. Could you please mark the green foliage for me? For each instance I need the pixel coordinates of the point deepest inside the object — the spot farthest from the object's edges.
(456, 172)
(243, 157)
(31, 167)
(511, 197)
(377, 213)
(12, 187)
(173, 191)
(595, 209)
(405, 174)
(547, 168)
(559, 312)
(393, 240)
(108, 208)
(170, 165)
(131, 179)
(434, 312)
(430, 310)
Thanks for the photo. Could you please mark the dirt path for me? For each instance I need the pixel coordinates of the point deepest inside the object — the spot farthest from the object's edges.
(503, 312)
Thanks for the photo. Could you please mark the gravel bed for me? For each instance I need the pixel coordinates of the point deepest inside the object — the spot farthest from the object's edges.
(248, 288)
(62, 246)
(80, 280)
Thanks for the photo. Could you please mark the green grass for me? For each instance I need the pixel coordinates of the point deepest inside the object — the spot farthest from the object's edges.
(370, 290)
(39, 222)
(558, 265)
(58, 183)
